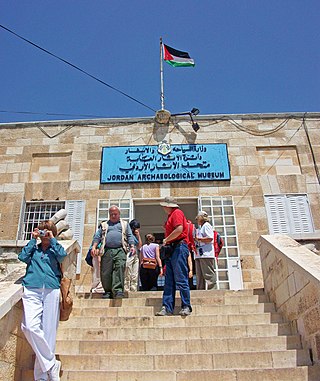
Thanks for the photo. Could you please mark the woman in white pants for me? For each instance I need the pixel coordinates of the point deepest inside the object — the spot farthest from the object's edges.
(41, 298)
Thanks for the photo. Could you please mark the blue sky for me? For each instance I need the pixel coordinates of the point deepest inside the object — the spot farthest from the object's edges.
(252, 56)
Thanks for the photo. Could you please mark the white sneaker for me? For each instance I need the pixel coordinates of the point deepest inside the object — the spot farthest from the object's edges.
(185, 311)
(163, 312)
(54, 372)
(98, 289)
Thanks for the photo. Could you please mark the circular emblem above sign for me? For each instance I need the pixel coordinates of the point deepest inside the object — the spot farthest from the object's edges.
(164, 148)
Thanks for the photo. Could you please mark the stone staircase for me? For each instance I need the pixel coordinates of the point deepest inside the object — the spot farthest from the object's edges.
(230, 336)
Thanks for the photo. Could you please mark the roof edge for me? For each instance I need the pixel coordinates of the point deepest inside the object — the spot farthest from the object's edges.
(106, 121)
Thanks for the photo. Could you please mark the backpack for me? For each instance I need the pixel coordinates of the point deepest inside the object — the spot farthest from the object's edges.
(218, 243)
(190, 237)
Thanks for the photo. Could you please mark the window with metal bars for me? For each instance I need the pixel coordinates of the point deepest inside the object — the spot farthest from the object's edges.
(35, 212)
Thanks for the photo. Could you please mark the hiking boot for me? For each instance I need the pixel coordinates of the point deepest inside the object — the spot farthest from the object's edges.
(107, 295)
(185, 311)
(54, 372)
(119, 295)
(163, 312)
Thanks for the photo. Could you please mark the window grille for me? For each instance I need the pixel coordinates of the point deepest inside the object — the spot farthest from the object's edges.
(125, 206)
(35, 212)
(221, 212)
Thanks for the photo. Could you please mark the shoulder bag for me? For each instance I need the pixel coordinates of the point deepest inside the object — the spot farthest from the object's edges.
(149, 263)
(66, 302)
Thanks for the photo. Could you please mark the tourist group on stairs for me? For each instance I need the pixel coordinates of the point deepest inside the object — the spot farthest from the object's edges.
(120, 259)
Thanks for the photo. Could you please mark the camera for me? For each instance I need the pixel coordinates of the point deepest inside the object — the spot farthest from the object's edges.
(42, 233)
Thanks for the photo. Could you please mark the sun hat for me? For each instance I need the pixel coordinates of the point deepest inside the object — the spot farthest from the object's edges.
(169, 202)
(202, 213)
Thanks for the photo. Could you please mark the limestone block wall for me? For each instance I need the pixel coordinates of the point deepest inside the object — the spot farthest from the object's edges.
(291, 276)
(15, 351)
(60, 160)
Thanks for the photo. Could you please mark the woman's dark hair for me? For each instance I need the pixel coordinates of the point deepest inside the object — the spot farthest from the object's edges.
(150, 238)
(134, 224)
(48, 225)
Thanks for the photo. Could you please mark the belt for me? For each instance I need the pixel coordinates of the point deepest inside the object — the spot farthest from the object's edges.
(177, 243)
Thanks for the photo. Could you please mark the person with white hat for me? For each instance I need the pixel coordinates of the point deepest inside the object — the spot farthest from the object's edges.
(176, 232)
(205, 255)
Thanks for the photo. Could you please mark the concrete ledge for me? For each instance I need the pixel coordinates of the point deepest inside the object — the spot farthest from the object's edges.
(10, 294)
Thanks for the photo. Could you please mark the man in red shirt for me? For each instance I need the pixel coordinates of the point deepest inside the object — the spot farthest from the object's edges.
(176, 232)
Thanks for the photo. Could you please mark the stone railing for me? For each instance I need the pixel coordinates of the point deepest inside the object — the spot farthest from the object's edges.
(291, 274)
(15, 352)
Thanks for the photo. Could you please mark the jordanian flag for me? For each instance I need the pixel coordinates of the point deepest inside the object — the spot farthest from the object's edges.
(176, 58)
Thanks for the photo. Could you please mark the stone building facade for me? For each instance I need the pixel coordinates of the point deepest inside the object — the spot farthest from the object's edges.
(273, 184)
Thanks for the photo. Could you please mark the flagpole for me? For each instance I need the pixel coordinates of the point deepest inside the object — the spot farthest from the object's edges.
(161, 76)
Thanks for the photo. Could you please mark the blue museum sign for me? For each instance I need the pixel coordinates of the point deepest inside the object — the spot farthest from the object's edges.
(165, 162)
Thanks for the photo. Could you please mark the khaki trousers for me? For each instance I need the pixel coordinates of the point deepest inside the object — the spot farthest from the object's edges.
(131, 275)
(205, 273)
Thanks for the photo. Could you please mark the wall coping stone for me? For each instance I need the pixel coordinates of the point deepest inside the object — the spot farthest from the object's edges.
(299, 257)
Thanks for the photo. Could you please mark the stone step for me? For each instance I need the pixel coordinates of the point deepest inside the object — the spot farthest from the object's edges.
(186, 361)
(230, 336)
(172, 321)
(194, 293)
(156, 347)
(97, 307)
(269, 374)
(173, 333)
(200, 293)
(206, 297)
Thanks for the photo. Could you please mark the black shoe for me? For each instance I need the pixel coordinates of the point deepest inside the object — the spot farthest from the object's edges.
(119, 295)
(107, 295)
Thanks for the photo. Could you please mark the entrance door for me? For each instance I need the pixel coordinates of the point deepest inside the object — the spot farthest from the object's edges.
(152, 218)
(221, 212)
